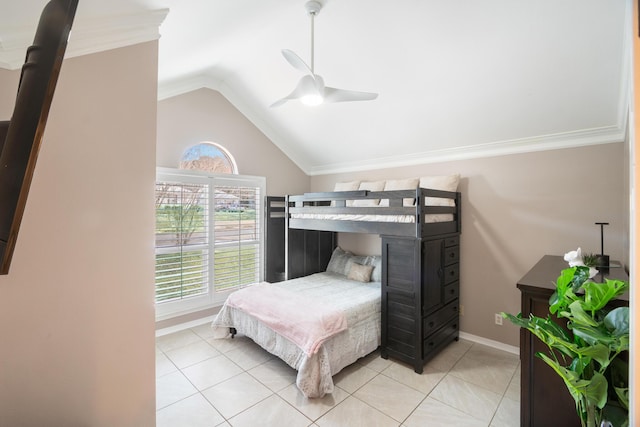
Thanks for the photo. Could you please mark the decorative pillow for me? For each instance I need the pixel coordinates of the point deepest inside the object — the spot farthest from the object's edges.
(442, 182)
(339, 262)
(359, 272)
(371, 186)
(400, 184)
(346, 186)
(376, 262)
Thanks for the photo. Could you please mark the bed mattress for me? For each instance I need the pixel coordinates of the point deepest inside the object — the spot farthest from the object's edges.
(360, 303)
(374, 218)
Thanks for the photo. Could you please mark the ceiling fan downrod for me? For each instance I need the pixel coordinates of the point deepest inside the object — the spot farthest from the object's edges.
(313, 8)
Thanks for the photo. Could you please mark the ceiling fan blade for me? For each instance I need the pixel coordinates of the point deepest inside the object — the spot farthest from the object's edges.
(306, 86)
(332, 94)
(296, 62)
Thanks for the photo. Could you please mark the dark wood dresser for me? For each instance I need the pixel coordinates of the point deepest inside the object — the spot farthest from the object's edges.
(544, 399)
(420, 288)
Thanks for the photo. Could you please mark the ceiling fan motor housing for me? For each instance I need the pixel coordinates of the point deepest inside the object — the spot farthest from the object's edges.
(313, 7)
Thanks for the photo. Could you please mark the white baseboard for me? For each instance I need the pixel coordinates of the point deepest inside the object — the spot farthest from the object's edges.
(183, 326)
(465, 336)
(490, 343)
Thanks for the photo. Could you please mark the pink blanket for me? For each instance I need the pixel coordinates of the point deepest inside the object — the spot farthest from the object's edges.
(300, 319)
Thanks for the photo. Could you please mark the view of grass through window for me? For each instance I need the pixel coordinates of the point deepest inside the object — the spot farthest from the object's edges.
(191, 261)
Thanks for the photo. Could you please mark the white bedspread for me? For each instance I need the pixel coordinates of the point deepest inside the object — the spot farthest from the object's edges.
(360, 303)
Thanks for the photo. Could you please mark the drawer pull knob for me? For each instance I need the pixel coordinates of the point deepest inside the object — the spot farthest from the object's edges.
(431, 324)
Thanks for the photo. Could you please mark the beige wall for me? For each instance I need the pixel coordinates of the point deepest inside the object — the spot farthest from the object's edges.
(205, 115)
(76, 312)
(515, 209)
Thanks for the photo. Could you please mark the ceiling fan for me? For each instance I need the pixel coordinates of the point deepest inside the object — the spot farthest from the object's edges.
(311, 89)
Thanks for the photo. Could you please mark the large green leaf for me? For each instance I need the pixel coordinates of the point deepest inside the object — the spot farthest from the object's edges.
(616, 415)
(579, 364)
(552, 335)
(565, 290)
(579, 316)
(623, 396)
(575, 385)
(598, 352)
(593, 335)
(596, 391)
(580, 276)
(617, 321)
(598, 295)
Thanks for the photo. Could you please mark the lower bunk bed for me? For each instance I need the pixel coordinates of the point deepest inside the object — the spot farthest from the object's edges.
(317, 324)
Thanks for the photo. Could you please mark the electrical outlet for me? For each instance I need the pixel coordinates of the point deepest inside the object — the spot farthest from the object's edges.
(461, 310)
(498, 319)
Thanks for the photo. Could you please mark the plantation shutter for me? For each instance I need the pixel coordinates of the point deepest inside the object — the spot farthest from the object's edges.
(237, 236)
(208, 237)
(182, 250)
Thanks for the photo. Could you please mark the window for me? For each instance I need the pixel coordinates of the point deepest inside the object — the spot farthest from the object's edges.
(208, 238)
(208, 157)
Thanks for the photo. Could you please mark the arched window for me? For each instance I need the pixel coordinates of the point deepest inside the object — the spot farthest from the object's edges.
(208, 157)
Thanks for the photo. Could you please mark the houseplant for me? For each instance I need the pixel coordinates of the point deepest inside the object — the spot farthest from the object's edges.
(587, 355)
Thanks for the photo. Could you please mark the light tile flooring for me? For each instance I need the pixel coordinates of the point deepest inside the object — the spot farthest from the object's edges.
(203, 381)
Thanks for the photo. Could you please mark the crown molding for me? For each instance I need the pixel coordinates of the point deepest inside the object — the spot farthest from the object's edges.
(88, 36)
(580, 138)
(186, 84)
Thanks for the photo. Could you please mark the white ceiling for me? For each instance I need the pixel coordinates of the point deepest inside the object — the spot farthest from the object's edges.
(456, 79)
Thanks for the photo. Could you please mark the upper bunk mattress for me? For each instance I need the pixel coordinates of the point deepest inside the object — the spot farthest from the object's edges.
(375, 218)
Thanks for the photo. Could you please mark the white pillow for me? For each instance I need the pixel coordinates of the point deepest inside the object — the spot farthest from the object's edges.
(376, 262)
(400, 184)
(371, 186)
(340, 261)
(440, 182)
(346, 186)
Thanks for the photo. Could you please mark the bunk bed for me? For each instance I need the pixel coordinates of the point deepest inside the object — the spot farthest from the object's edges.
(420, 234)
(416, 277)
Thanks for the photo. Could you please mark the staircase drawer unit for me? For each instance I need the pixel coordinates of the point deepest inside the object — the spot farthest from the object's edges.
(420, 288)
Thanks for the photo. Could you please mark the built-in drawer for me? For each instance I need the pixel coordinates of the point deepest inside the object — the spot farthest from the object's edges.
(451, 273)
(451, 291)
(452, 241)
(432, 323)
(447, 333)
(451, 255)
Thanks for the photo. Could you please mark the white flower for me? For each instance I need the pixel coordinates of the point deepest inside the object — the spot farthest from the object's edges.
(574, 258)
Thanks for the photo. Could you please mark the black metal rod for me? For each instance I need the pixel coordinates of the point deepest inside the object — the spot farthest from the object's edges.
(602, 224)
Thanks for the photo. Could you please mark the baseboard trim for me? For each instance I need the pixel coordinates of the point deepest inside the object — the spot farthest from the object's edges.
(464, 335)
(185, 325)
(490, 343)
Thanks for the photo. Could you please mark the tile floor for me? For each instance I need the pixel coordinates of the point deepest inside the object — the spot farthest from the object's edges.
(202, 381)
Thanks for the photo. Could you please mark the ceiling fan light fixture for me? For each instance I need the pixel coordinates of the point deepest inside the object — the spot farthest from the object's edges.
(312, 99)
(311, 90)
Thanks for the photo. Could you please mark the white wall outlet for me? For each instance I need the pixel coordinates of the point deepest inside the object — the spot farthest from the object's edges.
(498, 319)
(461, 310)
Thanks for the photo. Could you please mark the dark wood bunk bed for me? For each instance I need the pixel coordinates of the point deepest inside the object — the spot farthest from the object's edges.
(420, 258)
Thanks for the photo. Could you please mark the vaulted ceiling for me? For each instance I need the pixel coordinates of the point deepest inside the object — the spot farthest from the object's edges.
(456, 79)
